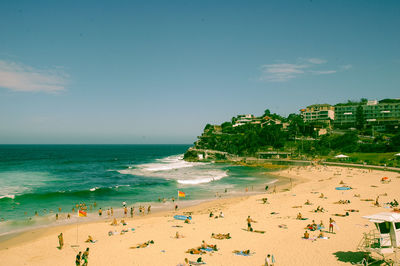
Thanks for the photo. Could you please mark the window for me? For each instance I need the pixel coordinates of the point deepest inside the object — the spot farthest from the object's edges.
(397, 225)
(384, 228)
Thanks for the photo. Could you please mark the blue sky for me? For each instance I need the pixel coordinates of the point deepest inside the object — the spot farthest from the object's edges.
(159, 71)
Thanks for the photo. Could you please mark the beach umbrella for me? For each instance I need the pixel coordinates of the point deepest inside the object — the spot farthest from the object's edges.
(341, 156)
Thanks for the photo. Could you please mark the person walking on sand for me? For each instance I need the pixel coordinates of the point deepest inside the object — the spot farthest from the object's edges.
(61, 240)
(131, 212)
(78, 259)
(249, 221)
(85, 257)
(269, 260)
(331, 221)
(149, 209)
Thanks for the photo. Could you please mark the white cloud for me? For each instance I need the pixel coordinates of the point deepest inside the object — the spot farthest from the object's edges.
(281, 72)
(323, 72)
(316, 61)
(18, 77)
(346, 67)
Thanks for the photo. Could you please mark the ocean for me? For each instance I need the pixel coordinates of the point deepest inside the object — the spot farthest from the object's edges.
(44, 178)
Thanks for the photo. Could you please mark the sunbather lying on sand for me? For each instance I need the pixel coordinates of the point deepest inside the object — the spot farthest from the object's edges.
(244, 252)
(204, 245)
(352, 210)
(342, 202)
(143, 245)
(221, 236)
(195, 251)
(341, 215)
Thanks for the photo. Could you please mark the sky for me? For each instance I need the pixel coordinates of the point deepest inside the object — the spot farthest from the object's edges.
(156, 72)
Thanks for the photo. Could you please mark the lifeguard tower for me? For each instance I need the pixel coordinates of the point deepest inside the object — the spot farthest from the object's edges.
(385, 239)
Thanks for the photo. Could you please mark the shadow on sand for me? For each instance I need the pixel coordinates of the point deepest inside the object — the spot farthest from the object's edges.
(355, 257)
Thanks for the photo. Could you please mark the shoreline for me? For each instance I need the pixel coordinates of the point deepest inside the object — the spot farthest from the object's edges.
(279, 181)
(158, 209)
(278, 218)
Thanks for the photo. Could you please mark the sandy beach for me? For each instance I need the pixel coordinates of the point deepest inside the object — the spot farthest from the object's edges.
(282, 237)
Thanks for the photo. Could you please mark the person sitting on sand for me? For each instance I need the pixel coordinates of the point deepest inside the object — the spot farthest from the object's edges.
(177, 235)
(187, 220)
(307, 202)
(221, 215)
(123, 222)
(306, 235)
(321, 196)
(114, 222)
(299, 216)
(321, 234)
(90, 239)
(321, 225)
(211, 214)
(314, 225)
(265, 200)
(394, 203)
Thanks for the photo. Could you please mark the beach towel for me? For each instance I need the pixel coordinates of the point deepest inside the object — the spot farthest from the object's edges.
(196, 263)
(182, 217)
(343, 188)
(207, 249)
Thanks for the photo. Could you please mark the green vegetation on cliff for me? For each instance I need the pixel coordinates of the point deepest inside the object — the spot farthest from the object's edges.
(249, 135)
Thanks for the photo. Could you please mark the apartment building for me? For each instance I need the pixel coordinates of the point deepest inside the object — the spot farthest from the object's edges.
(318, 113)
(377, 114)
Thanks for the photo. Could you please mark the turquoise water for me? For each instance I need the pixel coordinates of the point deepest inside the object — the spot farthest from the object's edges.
(44, 178)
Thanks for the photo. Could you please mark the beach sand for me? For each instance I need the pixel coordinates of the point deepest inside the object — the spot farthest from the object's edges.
(282, 238)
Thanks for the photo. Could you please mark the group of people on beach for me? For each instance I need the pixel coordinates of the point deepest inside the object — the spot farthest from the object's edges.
(82, 258)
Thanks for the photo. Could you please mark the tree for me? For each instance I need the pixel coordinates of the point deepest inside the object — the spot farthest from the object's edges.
(267, 112)
(359, 117)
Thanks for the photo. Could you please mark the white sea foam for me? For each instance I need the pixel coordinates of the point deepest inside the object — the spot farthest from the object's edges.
(175, 168)
(8, 196)
(93, 189)
(213, 176)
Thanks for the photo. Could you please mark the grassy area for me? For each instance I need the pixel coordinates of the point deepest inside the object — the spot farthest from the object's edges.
(374, 158)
